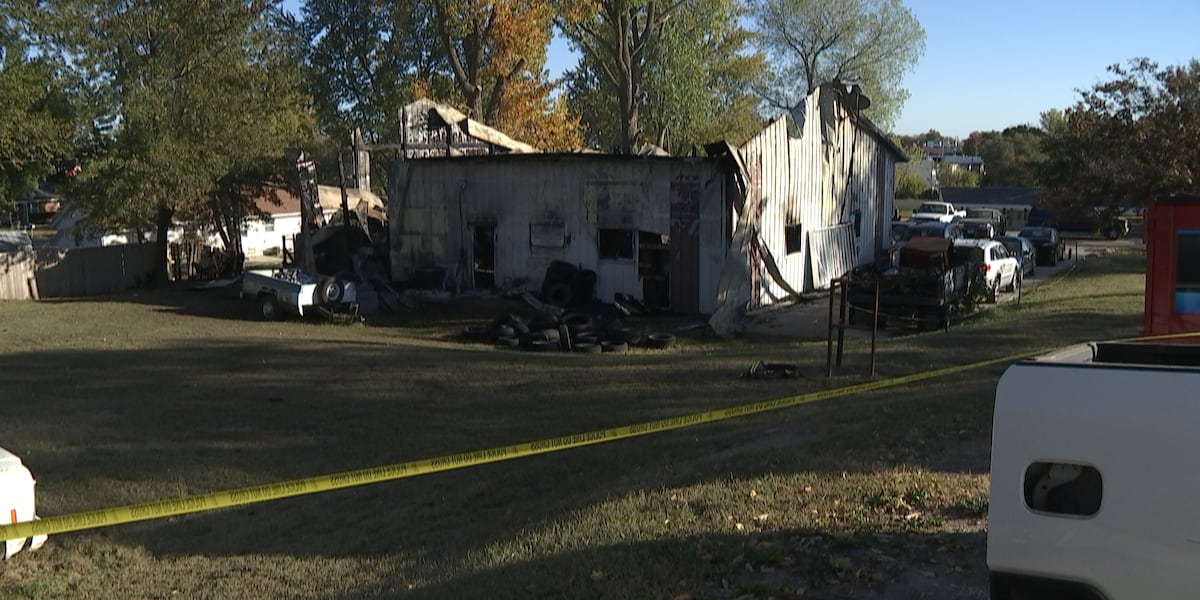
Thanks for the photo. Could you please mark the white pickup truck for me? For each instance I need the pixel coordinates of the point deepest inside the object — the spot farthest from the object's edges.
(1094, 483)
(297, 292)
(943, 212)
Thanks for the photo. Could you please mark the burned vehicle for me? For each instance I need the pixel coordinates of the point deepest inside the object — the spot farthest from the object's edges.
(921, 285)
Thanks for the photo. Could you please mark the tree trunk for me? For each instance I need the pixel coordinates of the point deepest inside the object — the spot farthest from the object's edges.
(627, 105)
(162, 222)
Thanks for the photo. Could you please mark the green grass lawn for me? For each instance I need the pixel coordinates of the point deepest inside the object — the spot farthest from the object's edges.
(159, 394)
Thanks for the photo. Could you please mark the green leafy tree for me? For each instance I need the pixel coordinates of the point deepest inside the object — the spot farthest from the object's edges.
(954, 176)
(873, 42)
(365, 60)
(617, 37)
(1127, 138)
(36, 119)
(697, 78)
(201, 96)
(972, 143)
(1013, 157)
(496, 52)
(909, 182)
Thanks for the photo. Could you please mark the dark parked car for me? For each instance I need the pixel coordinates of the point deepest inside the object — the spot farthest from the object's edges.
(1023, 249)
(1095, 221)
(953, 231)
(994, 215)
(979, 229)
(1050, 246)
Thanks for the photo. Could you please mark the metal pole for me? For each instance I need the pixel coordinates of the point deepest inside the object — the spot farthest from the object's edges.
(829, 338)
(841, 324)
(874, 327)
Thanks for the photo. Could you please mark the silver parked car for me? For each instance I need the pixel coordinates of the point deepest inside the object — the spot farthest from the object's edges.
(1023, 250)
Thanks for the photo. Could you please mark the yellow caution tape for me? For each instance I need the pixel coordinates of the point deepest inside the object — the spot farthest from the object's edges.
(324, 483)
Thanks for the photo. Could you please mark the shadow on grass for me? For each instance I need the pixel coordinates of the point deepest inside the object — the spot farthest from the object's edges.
(777, 564)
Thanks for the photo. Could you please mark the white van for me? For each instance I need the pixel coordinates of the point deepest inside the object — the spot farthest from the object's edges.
(17, 500)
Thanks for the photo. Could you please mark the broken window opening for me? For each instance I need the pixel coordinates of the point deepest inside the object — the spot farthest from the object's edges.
(547, 235)
(615, 244)
(793, 237)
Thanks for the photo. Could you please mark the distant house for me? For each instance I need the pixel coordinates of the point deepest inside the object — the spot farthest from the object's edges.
(269, 236)
(37, 210)
(963, 162)
(804, 201)
(259, 236)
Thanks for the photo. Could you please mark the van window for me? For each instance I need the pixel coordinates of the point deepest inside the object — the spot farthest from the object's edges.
(1187, 272)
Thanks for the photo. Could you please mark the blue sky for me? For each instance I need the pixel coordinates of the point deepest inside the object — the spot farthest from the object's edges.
(991, 64)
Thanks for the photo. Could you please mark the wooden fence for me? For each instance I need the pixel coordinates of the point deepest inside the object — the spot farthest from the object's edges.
(71, 272)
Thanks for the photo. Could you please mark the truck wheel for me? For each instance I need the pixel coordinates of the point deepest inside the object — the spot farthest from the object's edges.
(268, 306)
(331, 291)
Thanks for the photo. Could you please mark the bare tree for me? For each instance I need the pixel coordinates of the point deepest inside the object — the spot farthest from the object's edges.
(871, 42)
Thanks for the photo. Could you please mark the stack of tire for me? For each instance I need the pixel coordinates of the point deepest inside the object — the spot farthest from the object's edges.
(567, 285)
(572, 332)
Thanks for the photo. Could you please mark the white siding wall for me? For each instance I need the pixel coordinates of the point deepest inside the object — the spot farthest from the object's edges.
(434, 202)
(797, 177)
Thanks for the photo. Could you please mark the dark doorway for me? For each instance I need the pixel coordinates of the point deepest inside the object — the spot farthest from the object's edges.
(654, 267)
(484, 253)
(685, 246)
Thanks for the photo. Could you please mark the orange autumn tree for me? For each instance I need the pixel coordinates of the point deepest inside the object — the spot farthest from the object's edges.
(496, 52)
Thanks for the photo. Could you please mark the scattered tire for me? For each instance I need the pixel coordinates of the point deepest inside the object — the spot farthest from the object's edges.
(331, 291)
(506, 331)
(543, 320)
(660, 340)
(577, 322)
(476, 332)
(614, 346)
(587, 348)
(268, 307)
(587, 338)
(550, 335)
(519, 326)
(507, 342)
(558, 294)
(543, 346)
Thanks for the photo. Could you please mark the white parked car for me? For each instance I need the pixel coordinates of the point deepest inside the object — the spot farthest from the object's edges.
(1001, 270)
(937, 211)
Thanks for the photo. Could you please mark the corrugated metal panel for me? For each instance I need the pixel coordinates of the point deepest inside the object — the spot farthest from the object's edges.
(834, 252)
